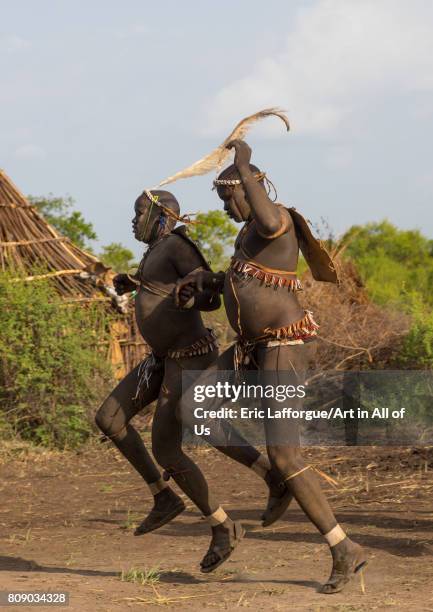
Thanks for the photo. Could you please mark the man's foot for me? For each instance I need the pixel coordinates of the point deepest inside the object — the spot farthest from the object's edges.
(278, 500)
(167, 506)
(225, 538)
(347, 559)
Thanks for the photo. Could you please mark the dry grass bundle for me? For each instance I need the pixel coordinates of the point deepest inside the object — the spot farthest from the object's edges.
(29, 243)
(354, 332)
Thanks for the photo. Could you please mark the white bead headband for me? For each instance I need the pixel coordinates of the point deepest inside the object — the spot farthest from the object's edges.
(259, 176)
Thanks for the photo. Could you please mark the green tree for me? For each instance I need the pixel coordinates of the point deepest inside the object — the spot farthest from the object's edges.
(396, 265)
(215, 233)
(60, 213)
(118, 257)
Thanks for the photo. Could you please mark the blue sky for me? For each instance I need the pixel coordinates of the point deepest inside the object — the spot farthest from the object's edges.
(102, 99)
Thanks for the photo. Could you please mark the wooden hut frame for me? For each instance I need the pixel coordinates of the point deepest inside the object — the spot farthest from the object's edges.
(27, 241)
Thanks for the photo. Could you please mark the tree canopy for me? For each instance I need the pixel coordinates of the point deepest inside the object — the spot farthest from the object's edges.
(215, 233)
(396, 265)
(118, 257)
(60, 213)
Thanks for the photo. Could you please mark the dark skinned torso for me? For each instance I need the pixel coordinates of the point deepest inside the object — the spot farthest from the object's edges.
(260, 306)
(163, 325)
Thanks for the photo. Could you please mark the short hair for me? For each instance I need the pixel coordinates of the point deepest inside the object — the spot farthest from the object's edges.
(231, 172)
(165, 198)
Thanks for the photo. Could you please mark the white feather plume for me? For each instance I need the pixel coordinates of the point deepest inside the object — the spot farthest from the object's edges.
(215, 159)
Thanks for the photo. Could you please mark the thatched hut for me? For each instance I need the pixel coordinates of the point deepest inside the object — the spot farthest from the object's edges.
(29, 243)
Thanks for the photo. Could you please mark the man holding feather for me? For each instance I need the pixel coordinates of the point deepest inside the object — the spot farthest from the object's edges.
(274, 333)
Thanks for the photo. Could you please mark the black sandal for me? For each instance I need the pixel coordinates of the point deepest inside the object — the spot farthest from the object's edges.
(276, 508)
(338, 579)
(157, 519)
(223, 553)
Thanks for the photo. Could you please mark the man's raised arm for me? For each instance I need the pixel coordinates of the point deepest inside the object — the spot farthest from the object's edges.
(272, 220)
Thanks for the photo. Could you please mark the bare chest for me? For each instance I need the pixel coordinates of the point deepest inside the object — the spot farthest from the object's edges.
(280, 253)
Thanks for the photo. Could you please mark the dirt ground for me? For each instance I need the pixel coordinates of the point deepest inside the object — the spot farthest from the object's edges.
(66, 523)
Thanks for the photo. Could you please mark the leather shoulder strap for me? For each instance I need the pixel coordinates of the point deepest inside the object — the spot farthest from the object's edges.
(182, 232)
(317, 257)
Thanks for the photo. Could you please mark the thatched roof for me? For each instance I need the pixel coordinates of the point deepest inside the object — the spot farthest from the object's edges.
(27, 242)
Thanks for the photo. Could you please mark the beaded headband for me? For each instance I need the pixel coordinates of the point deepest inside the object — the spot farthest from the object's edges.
(170, 213)
(259, 176)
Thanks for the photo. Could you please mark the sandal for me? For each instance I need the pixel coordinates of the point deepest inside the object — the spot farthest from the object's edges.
(223, 553)
(339, 578)
(158, 518)
(276, 508)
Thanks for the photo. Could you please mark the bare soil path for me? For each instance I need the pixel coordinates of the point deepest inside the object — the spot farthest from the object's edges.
(66, 523)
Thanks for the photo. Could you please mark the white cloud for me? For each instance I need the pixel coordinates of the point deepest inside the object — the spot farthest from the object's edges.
(30, 151)
(136, 29)
(13, 43)
(139, 28)
(340, 56)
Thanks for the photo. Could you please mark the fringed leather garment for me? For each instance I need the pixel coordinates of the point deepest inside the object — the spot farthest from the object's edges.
(322, 268)
(298, 332)
(204, 345)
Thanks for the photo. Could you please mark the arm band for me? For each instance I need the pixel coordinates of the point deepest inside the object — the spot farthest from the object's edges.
(285, 225)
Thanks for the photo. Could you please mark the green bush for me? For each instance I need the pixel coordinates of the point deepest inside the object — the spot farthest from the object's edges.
(53, 368)
(417, 347)
(395, 264)
(215, 234)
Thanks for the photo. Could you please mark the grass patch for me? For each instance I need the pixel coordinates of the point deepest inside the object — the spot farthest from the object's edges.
(131, 521)
(147, 576)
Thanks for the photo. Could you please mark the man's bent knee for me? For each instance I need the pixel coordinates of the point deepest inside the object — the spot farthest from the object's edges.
(105, 421)
(286, 460)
